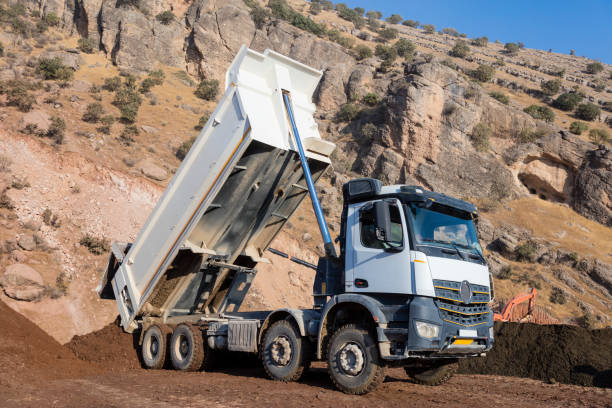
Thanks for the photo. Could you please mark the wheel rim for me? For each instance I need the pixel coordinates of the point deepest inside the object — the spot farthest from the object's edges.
(351, 359)
(182, 347)
(280, 351)
(152, 347)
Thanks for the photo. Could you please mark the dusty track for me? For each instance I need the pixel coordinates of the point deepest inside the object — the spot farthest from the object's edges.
(36, 371)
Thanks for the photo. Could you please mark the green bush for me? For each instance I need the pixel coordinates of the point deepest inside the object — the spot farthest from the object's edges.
(429, 28)
(371, 99)
(511, 48)
(460, 50)
(1, 49)
(405, 48)
(567, 101)
(385, 52)
(411, 23)
(480, 137)
(394, 19)
(540, 112)
(157, 77)
(127, 135)
(57, 129)
(260, 16)
(505, 272)
(363, 52)
(93, 112)
(106, 124)
(165, 17)
(369, 130)
(599, 136)
(388, 33)
(128, 101)
(326, 5)
(146, 85)
(183, 149)
(202, 121)
(19, 97)
(558, 296)
(484, 73)
(315, 8)
(207, 89)
(96, 246)
(451, 31)
(578, 127)
(470, 92)
(525, 251)
(87, 45)
(112, 84)
(598, 84)
(53, 68)
(501, 97)
(529, 135)
(347, 113)
(480, 41)
(594, 67)
(551, 87)
(587, 111)
(353, 16)
(52, 19)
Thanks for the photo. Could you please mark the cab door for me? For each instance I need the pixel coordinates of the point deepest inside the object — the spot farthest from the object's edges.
(372, 266)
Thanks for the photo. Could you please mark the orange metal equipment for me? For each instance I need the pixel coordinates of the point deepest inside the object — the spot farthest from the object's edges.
(506, 312)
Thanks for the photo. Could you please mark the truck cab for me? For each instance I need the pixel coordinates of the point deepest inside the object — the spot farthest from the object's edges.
(410, 272)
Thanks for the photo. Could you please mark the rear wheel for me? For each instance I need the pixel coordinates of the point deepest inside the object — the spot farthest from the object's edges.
(187, 348)
(283, 352)
(436, 374)
(154, 346)
(353, 360)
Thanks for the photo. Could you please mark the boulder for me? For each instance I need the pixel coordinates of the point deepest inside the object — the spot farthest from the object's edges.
(41, 119)
(593, 187)
(81, 86)
(149, 129)
(601, 273)
(152, 170)
(27, 242)
(69, 59)
(22, 282)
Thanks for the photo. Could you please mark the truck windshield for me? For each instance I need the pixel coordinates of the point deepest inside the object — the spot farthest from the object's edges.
(442, 226)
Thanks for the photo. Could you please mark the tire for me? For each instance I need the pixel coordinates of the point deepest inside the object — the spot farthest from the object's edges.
(435, 375)
(208, 363)
(187, 348)
(283, 351)
(353, 360)
(154, 346)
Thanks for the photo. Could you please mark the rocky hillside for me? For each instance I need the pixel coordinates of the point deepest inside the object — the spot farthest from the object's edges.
(101, 98)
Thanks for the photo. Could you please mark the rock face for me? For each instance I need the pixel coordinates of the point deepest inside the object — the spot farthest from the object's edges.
(21, 282)
(593, 193)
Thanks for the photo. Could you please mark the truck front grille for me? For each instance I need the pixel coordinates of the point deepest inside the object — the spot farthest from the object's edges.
(454, 310)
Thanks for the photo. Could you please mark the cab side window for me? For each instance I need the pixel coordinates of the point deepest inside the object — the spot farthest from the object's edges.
(368, 229)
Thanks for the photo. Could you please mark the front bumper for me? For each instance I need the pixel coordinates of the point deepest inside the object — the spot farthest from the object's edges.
(399, 340)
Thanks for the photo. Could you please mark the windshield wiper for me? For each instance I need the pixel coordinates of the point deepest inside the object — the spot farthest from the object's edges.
(454, 245)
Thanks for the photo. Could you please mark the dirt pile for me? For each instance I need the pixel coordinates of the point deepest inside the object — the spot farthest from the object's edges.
(27, 353)
(553, 353)
(110, 347)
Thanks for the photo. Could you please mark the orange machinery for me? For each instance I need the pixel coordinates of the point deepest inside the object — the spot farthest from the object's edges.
(506, 312)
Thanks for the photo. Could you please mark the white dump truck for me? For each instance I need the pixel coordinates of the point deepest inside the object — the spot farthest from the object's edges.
(409, 288)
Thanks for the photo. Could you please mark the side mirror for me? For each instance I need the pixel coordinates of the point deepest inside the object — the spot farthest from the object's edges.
(382, 221)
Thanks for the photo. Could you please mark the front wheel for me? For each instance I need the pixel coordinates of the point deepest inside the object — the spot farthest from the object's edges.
(437, 374)
(353, 360)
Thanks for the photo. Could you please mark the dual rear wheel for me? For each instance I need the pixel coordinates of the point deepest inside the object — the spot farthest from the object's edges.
(184, 345)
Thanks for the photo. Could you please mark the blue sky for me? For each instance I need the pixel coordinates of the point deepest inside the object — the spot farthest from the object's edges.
(585, 26)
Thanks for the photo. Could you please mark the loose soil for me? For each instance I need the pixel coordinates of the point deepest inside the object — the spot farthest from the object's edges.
(553, 353)
(102, 369)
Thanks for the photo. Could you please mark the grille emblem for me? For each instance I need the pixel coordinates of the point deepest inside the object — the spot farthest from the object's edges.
(465, 292)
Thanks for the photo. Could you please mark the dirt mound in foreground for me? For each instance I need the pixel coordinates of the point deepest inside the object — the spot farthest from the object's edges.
(561, 353)
(109, 347)
(27, 353)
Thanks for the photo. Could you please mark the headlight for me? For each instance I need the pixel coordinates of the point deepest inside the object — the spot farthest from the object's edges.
(491, 332)
(427, 330)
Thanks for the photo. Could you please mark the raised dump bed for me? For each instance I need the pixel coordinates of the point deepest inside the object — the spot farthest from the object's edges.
(241, 181)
